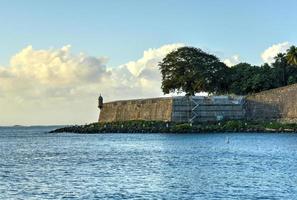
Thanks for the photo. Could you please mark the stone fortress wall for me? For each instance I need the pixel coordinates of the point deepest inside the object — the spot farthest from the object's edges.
(177, 109)
(275, 104)
(158, 109)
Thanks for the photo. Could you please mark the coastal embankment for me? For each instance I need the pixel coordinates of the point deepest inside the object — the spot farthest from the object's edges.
(171, 127)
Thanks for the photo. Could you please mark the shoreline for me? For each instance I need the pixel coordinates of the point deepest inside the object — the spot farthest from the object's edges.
(148, 127)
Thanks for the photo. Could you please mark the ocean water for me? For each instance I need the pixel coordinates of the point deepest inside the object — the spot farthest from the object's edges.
(35, 164)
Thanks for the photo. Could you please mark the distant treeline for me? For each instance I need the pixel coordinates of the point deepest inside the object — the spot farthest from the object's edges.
(191, 70)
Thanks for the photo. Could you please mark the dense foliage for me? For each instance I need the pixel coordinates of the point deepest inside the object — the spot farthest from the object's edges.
(192, 70)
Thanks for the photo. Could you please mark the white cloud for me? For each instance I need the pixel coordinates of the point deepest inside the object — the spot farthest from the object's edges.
(150, 59)
(269, 54)
(234, 60)
(54, 86)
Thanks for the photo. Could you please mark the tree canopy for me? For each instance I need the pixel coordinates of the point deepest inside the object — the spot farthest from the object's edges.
(191, 70)
(292, 55)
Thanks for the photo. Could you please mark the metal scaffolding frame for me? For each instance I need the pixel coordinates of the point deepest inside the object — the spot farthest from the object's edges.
(194, 113)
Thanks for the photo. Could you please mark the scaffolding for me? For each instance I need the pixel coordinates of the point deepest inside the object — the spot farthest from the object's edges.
(202, 108)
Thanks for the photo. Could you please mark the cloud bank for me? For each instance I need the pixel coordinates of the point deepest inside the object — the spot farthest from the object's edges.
(55, 86)
(269, 54)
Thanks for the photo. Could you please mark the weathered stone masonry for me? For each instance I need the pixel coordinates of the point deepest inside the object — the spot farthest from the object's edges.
(276, 104)
(159, 109)
(177, 109)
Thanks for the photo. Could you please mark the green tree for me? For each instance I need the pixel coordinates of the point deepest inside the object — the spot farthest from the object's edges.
(292, 72)
(292, 80)
(292, 55)
(192, 70)
(281, 63)
(247, 79)
(241, 78)
(265, 79)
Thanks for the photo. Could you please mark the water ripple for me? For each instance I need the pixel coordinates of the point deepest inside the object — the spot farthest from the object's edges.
(35, 165)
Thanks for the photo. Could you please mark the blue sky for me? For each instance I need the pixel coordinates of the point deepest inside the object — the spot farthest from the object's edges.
(122, 30)
(45, 81)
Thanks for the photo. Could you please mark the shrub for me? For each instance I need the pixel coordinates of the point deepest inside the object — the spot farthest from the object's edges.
(182, 128)
(233, 125)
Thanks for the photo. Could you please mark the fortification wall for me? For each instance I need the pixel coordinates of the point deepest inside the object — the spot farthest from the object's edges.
(159, 109)
(275, 104)
(177, 109)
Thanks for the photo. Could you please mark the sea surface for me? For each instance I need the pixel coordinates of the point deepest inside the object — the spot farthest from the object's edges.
(35, 164)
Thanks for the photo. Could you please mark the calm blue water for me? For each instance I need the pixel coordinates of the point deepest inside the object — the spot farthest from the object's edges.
(37, 165)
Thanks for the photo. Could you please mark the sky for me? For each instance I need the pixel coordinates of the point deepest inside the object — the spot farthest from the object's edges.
(57, 56)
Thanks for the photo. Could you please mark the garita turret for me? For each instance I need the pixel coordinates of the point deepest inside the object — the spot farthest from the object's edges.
(100, 102)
